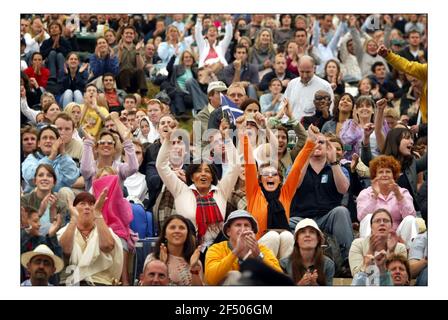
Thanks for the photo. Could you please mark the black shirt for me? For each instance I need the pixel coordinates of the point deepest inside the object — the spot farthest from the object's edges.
(317, 195)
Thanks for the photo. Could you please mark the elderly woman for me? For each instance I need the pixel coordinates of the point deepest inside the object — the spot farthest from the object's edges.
(176, 247)
(90, 245)
(106, 148)
(399, 143)
(386, 194)
(307, 265)
(202, 199)
(270, 200)
(50, 150)
(382, 237)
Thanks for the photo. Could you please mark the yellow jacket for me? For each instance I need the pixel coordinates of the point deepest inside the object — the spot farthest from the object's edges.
(415, 69)
(219, 260)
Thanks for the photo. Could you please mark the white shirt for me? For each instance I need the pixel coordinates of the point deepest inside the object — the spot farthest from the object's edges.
(301, 96)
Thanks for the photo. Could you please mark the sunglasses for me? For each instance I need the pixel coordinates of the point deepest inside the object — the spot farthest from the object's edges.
(106, 142)
(269, 174)
(321, 141)
(318, 98)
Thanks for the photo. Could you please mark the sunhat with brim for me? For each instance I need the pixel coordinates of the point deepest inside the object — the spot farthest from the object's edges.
(239, 214)
(42, 250)
(307, 223)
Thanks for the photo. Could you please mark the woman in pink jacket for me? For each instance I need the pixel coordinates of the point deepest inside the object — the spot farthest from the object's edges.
(386, 194)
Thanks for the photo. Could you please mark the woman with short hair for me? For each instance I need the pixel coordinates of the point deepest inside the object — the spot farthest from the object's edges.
(385, 193)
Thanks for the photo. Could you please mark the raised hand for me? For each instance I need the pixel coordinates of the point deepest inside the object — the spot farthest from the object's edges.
(240, 249)
(331, 152)
(237, 64)
(33, 83)
(61, 149)
(368, 130)
(74, 214)
(83, 67)
(312, 132)
(224, 127)
(163, 253)
(23, 218)
(114, 116)
(393, 186)
(352, 21)
(139, 45)
(55, 226)
(382, 51)
(251, 243)
(392, 240)
(380, 260)
(354, 162)
(86, 134)
(376, 186)
(55, 149)
(22, 92)
(260, 119)
(100, 201)
(194, 260)
(287, 106)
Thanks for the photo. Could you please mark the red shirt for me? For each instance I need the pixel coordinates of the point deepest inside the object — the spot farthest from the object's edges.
(112, 98)
(41, 79)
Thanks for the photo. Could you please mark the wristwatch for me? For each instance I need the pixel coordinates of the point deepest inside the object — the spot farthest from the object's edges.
(337, 162)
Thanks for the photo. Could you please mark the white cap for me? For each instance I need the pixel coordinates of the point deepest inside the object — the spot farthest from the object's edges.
(216, 85)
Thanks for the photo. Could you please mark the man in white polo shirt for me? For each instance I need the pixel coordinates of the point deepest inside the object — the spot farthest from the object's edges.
(300, 91)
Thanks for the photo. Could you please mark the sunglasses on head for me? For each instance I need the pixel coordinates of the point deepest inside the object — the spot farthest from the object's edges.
(321, 141)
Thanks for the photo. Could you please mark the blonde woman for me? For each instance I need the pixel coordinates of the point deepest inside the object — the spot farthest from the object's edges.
(174, 45)
(74, 111)
(262, 53)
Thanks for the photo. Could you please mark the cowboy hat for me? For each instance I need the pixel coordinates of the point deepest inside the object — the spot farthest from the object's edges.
(42, 250)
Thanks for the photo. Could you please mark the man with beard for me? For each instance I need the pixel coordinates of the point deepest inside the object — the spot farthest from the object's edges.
(41, 263)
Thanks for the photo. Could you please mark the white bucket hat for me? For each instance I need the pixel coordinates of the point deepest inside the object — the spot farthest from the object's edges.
(307, 223)
(42, 250)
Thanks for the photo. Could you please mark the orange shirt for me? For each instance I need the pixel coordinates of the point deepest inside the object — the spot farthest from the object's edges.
(256, 202)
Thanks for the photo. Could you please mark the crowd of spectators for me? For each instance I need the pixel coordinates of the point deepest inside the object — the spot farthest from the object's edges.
(295, 141)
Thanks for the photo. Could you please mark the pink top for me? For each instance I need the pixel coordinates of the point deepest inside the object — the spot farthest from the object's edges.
(367, 203)
(117, 211)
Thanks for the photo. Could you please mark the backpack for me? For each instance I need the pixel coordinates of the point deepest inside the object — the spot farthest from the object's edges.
(332, 250)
